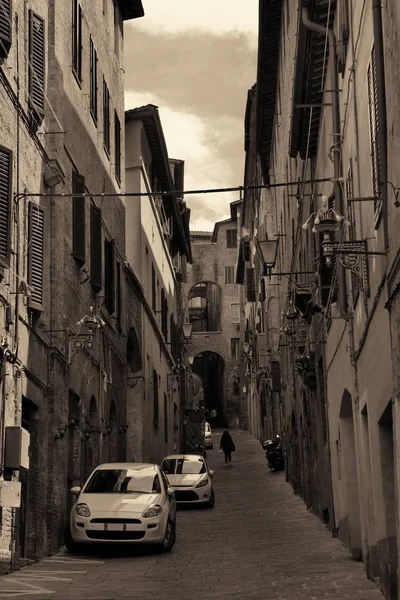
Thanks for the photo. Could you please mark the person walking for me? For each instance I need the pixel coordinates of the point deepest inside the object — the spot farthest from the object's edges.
(227, 446)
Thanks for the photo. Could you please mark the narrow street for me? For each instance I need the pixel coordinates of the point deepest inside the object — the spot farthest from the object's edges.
(258, 542)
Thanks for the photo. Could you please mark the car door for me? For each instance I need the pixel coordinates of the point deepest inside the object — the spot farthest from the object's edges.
(170, 498)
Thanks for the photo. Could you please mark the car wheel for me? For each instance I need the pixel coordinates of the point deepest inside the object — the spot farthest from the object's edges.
(211, 502)
(169, 537)
(72, 547)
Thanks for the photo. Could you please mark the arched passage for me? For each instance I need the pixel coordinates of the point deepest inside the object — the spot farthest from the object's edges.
(204, 304)
(350, 526)
(210, 367)
(92, 433)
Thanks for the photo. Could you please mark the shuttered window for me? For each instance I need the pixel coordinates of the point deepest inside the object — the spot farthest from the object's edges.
(93, 81)
(5, 28)
(78, 218)
(36, 66)
(355, 284)
(95, 248)
(5, 204)
(165, 417)
(155, 398)
(153, 289)
(118, 307)
(235, 348)
(231, 238)
(109, 275)
(36, 255)
(374, 129)
(229, 274)
(251, 285)
(77, 40)
(106, 118)
(117, 131)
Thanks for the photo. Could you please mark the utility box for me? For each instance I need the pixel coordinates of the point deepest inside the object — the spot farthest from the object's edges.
(10, 494)
(16, 455)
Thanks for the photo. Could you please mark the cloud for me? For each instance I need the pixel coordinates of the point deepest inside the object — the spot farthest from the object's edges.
(209, 15)
(205, 148)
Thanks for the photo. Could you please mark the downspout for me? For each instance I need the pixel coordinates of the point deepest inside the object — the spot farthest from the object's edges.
(336, 132)
(380, 77)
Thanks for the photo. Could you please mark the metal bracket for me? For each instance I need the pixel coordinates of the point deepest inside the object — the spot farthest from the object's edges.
(76, 343)
(352, 256)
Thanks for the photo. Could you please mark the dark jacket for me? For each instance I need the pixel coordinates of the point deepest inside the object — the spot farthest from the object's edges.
(227, 444)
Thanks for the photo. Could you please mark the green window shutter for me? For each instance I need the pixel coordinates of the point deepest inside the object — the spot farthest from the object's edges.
(96, 248)
(36, 66)
(36, 255)
(5, 204)
(78, 218)
(5, 27)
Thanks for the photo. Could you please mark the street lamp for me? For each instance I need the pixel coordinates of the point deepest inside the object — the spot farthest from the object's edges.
(190, 360)
(268, 252)
(187, 330)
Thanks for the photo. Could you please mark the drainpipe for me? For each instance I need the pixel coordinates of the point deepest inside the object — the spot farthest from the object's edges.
(336, 130)
(380, 77)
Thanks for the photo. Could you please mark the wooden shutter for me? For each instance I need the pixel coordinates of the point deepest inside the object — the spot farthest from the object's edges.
(155, 397)
(77, 40)
(165, 417)
(95, 248)
(5, 27)
(118, 308)
(78, 218)
(117, 129)
(36, 66)
(93, 81)
(36, 255)
(231, 238)
(251, 287)
(5, 204)
(275, 376)
(374, 128)
(106, 117)
(109, 281)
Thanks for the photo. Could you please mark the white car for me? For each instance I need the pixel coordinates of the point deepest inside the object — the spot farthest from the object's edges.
(190, 478)
(209, 443)
(123, 503)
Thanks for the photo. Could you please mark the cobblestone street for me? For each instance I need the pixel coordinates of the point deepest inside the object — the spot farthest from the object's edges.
(258, 542)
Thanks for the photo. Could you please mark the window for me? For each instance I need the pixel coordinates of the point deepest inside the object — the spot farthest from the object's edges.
(109, 275)
(343, 29)
(229, 274)
(36, 255)
(235, 348)
(117, 148)
(78, 218)
(164, 315)
(155, 398)
(235, 314)
(355, 285)
(93, 81)
(95, 248)
(374, 129)
(5, 204)
(118, 307)
(106, 118)
(77, 40)
(231, 238)
(153, 289)
(5, 28)
(36, 67)
(165, 417)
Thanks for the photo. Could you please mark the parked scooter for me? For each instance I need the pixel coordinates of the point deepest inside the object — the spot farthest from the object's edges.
(274, 453)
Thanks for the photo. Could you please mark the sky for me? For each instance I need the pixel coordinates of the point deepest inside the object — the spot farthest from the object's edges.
(195, 60)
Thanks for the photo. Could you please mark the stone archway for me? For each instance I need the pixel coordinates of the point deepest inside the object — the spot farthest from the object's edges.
(210, 367)
(350, 525)
(204, 305)
(92, 438)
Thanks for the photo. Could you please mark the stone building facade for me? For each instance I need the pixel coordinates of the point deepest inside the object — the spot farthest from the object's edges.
(213, 303)
(322, 138)
(63, 258)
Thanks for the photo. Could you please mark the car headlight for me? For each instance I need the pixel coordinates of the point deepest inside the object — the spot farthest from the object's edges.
(202, 483)
(82, 510)
(152, 511)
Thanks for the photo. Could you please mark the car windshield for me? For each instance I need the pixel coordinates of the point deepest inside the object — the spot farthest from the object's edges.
(183, 466)
(124, 481)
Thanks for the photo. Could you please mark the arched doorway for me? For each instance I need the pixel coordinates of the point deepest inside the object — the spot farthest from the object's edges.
(92, 433)
(112, 446)
(209, 366)
(204, 304)
(350, 526)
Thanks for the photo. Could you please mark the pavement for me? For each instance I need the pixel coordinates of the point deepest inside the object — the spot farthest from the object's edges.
(258, 542)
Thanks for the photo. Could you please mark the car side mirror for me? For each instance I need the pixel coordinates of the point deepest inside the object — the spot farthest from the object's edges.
(211, 473)
(170, 491)
(76, 490)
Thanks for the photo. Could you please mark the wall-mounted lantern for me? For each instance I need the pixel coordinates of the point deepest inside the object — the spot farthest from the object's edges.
(268, 253)
(77, 342)
(187, 329)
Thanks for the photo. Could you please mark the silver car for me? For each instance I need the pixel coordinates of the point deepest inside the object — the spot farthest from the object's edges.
(190, 478)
